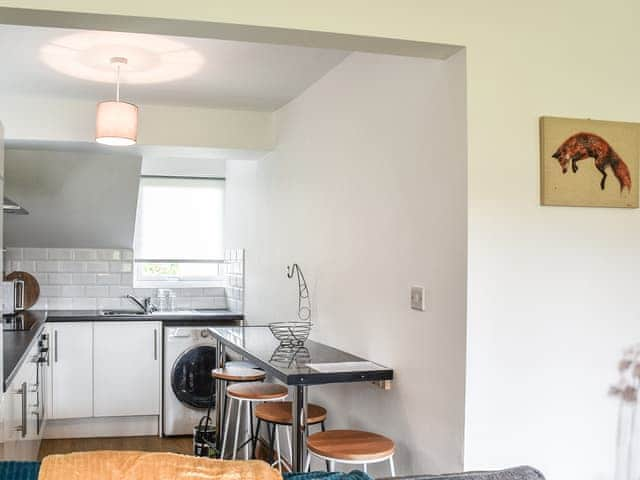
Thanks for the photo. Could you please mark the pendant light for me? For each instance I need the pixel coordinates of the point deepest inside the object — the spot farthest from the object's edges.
(116, 121)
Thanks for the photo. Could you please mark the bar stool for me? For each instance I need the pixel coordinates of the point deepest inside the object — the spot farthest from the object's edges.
(352, 447)
(278, 414)
(245, 394)
(235, 372)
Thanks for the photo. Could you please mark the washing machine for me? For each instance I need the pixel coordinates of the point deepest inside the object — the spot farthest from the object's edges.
(189, 357)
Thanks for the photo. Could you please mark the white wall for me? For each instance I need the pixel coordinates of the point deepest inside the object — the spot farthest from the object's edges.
(552, 291)
(366, 190)
(74, 199)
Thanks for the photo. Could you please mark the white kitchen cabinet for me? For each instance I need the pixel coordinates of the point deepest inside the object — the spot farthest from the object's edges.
(71, 370)
(126, 368)
(19, 407)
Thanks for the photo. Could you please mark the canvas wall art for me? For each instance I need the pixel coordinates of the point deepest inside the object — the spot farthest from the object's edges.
(589, 163)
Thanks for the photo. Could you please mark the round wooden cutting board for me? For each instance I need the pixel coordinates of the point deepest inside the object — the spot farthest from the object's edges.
(31, 287)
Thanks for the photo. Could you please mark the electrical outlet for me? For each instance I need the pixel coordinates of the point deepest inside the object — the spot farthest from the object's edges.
(417, 298)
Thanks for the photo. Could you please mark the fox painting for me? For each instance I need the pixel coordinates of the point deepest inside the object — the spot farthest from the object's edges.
(589, 145)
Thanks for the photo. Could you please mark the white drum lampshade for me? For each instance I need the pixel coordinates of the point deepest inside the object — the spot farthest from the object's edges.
(116, 123)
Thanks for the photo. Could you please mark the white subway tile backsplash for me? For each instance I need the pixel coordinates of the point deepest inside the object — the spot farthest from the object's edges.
(59, 279)
(85, 254)
(183, 302)
(108, 254)
(97, 291)
(13, 254)
(34, 253)
(87, 279)
(108, 279)
(59, 303)
(203, 302)
(98, 267)
(73, 291)
(84, 303)
(73, 267)
(126, 280)
(47, 266)
(50, 291)
(83, 278)
(60, 254)
(190, 292)
(118, 267)
(108, 303)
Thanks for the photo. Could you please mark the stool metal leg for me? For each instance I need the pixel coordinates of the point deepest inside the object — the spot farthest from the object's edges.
(364, 467)
(332, 466)
(392, 467)
(226, 428)
(279, 455)
(307, 464)
(235, 441)
(250, 429)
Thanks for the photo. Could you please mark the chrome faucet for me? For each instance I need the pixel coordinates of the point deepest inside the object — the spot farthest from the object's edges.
(145, 304)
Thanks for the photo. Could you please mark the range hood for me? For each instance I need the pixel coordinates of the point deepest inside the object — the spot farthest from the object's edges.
(9, 206)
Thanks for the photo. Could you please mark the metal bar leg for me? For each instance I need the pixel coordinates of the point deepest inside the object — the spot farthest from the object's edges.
(299, 425)
(332, 466)
(226, 428)
(392, 467)
(290, 447)
(307, 465)
(270, 432)
(235, 441)
(250, 430)
(219, 363)
(364, 467)
(254, 445)
(278, 453)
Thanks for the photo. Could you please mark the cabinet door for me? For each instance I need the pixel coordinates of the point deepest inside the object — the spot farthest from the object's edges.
(126, 368)
(71, 370)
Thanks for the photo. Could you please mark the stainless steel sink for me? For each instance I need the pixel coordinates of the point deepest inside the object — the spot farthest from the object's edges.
(121, 313)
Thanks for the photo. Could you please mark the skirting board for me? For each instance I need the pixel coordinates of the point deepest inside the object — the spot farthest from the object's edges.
(102, 427)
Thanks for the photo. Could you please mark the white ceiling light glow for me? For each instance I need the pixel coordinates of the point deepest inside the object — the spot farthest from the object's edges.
(116, 121)
(151, 59)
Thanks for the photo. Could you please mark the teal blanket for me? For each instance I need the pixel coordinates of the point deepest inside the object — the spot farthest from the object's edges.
(19, 470)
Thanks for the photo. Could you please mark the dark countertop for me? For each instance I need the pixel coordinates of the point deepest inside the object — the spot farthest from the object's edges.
(295, 365)
(179, 316)
(16, 344)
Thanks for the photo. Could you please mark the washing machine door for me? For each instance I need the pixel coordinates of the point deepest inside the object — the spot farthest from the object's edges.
(191, 379)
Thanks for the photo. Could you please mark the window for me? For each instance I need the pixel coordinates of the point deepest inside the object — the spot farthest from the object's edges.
(179, 232)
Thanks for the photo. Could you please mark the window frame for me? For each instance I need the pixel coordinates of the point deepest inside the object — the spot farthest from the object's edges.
(140, 280)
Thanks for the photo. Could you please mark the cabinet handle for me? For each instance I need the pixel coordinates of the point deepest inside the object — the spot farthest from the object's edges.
(155, 344)
(55, 346)
(23, 427)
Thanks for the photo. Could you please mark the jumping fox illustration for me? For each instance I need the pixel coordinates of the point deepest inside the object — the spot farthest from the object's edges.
(588, 145)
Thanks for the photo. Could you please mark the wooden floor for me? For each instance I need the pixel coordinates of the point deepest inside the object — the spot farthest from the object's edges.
(146, 444)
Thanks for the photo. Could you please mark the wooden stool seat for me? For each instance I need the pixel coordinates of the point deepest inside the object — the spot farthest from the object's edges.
(280, 413)
(238, 374)
(350, 445)
(257, 391)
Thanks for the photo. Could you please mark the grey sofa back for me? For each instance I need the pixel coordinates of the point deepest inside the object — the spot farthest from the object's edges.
(517, 473)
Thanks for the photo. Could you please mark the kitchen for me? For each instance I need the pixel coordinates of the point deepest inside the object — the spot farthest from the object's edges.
(200, 217)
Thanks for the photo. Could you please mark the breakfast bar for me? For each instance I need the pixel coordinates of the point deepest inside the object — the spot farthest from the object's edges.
(297, 366)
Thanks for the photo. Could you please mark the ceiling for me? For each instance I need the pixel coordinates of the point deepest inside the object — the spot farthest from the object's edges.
(161, 69)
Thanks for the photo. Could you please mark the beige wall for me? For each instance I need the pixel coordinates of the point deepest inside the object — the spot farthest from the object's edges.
(552, 291)
(72, 120)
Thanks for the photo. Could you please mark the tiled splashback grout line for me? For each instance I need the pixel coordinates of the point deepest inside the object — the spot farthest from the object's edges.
(82, 278)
